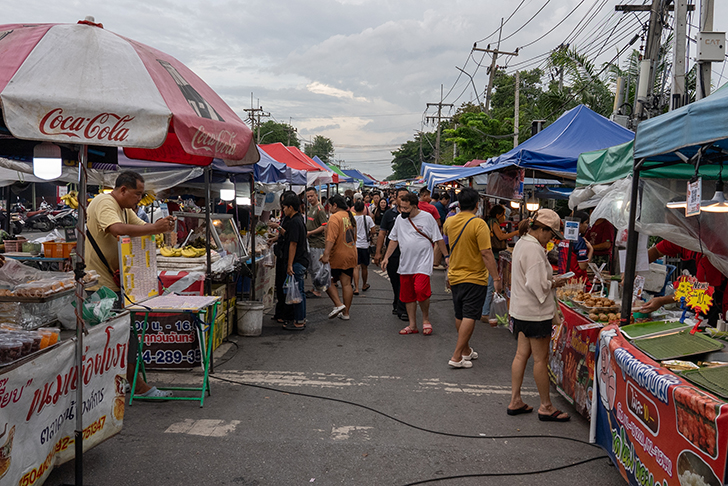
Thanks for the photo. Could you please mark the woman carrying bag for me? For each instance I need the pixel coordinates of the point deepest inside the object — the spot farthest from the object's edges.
(498, 241)
(533, 307)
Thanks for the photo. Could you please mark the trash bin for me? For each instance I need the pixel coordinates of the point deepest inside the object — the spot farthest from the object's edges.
(250, 318)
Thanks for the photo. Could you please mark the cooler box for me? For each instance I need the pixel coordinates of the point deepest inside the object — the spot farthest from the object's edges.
(183, 283)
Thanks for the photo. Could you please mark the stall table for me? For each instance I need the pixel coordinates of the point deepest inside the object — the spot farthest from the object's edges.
(656, 427)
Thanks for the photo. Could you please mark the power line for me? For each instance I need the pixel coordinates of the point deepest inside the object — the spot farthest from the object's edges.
(554, 27)
(527, 22)
(504, 23)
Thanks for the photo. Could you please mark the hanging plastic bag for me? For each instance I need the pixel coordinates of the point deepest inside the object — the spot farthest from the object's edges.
(293, 295)
(499, 310)
(322, 278)
(269, 260)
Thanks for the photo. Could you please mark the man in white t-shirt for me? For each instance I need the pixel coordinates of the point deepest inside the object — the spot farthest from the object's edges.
(415, 232)
(364, 225)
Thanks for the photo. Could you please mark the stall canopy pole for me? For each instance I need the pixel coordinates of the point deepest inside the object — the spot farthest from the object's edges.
(79, 272)
(631, 260)
(253, 225)
(208, 231)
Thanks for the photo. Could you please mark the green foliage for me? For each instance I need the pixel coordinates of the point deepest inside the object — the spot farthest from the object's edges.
(323, 147)
(272, 132)
(581, 84)
(480, 136)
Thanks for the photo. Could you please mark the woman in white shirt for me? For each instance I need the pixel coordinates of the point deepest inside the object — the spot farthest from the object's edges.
(364, 226)
(532, 308)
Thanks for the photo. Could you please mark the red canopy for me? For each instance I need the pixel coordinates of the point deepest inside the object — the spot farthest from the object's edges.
(283, 155)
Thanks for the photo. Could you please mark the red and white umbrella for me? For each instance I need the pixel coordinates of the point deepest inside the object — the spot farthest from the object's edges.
(81, 84)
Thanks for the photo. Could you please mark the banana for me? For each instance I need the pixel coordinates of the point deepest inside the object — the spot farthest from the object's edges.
(189, 253)
(200, 251)
(167, 251)
(177, 252)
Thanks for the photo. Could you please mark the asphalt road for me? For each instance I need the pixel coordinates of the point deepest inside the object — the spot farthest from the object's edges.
(377, 408)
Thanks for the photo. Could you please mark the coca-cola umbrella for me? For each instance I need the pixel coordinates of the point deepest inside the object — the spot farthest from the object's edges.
(79, 84)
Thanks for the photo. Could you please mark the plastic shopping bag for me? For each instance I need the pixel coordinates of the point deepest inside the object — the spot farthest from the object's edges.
(322, 278)
(269, 260)
(293, 295)
(499, 310)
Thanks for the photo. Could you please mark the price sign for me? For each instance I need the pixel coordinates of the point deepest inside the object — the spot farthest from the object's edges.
(694, 196)
(571, 230)
(698, 295)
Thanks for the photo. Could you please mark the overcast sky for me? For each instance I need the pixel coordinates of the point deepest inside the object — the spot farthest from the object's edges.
(360, 72)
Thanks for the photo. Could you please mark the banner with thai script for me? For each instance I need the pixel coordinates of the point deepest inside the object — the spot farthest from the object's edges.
(657, 428)
(38, 403)
(571, 363)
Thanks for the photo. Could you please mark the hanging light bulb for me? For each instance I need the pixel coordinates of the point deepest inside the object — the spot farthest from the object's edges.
(718, 203)
(532, 204)
(47, 162)
(515, 204)
(242, 201)
(227, 190)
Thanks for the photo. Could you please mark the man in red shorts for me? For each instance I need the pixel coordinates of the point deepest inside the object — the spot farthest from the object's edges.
(414, 232)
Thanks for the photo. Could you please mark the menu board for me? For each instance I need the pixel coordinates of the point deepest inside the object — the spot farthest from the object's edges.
(138, 268)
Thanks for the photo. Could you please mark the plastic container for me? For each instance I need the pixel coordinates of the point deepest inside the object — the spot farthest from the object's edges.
(27, 341)
(12, 246)
(250, 318)
(10, 350)
(52, 249)
(51, 335)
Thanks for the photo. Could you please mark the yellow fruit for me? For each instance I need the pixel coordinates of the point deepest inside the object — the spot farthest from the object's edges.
(167, 251)
(177, 252)
(200, 251)
(188, 253)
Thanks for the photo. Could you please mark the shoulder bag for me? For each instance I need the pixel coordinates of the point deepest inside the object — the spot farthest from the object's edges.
(420, 232)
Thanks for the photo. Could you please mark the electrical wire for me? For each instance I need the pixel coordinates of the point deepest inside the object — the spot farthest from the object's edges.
(554, 27)
(504, 22)
(527, 22)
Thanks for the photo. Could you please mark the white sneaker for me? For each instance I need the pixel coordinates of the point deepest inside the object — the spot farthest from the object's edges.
(473, 355)
(336, 311)
(463, 363)
(343, 317)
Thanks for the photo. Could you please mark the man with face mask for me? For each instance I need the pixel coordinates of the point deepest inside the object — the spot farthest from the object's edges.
(398, 308)
(415, 232)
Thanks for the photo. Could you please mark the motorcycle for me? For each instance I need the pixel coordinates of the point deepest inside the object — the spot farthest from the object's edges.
(37, 220)
(64, 217)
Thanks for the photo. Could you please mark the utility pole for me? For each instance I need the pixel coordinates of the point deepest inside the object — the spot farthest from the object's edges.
(493, 65)
(439, 119)
(291, 130)
(254, 115)
(677, 95)
(704, 67)
(515, 114)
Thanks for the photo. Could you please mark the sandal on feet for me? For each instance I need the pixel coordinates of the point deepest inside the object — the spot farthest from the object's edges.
(154, 392)
(463, 363)
(336, 311)
(365, 288)
(518, 411)
(473, 355)
(356, 292)
(426, 328)
(408, 330)
(291, 326)
(554, 417)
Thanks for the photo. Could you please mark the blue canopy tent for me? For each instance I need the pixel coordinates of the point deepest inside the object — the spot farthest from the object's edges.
(435, 174)
(355, 174)
(556, 148)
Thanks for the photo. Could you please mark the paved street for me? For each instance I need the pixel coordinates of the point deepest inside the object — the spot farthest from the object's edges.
(388, 394)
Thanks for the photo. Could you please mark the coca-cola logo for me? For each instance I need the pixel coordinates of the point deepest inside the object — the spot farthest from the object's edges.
(104, 126)
(223, 143)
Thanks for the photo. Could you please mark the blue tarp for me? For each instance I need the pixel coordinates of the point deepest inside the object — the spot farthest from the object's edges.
(435, 174)
(685, 129)
(355, 174)
(557, 147)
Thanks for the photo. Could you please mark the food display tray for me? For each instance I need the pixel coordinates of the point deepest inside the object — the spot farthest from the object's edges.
(677, 345)
(595, 310)
(650, 329)
(713, 379)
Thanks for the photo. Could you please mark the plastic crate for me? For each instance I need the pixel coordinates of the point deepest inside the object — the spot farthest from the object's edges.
(12, 246)
(54, 249)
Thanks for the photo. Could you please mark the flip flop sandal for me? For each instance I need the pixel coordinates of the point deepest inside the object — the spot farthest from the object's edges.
(554, 417)
(365, 288)
(518, 411)
(356, 292)
(408, 330)
(426, 329)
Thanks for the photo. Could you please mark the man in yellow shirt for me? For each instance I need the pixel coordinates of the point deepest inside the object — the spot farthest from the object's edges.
(108, 217)
(471, 258)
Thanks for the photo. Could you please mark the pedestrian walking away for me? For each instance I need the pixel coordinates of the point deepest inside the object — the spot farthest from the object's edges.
(316, 221)
(470, 264)
(498, 243)
(533, 309)
(392, 267)
(415, 233)
(340, 253)
(364, 228)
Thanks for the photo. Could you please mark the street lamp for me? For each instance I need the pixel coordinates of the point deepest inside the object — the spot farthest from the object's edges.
(474, 87)
(261, 138)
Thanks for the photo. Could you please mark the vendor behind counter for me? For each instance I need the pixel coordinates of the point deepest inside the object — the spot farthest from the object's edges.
(697, 265)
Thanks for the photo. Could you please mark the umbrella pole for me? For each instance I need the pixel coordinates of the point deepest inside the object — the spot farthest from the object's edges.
(79, 272)
(253, 226)
(208, 237)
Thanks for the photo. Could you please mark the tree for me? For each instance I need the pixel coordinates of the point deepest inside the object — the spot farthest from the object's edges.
(321, 146)
(480, 136)
(272, 132)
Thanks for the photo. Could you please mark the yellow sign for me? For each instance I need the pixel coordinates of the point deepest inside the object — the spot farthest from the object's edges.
(698, 295)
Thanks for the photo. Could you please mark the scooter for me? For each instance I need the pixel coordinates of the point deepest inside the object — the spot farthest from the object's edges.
(64, 217)
(37, 220)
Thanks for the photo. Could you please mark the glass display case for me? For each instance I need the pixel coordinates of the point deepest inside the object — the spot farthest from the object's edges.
(191, 230)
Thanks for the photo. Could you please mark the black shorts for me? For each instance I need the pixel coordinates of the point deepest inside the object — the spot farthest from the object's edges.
(532, 329)
(336, 273)
(362, 256)
(468, 300)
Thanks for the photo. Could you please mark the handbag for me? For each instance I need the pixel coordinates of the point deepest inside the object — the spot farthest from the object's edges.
(495, 243)
(116, 275)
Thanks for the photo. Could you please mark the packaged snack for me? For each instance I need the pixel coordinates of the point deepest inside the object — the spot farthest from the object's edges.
(10, 350)
(50, 336)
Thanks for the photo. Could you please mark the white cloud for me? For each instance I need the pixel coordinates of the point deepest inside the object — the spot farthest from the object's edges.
(323, 89)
